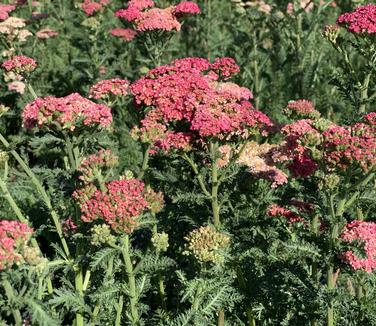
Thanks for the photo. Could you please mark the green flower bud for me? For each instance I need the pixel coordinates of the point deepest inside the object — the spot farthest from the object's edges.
(160, 241)
(101, 234)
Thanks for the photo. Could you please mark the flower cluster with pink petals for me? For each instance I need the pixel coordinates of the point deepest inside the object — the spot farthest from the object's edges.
(13, 236)
(301, 109)
(360, 21)
(90, 7)
(69, 112)
(192, 93)
(365, 233)
(146, 17)
(5, 10)
(93, 165)
(108, 88)
(127, 34)
(120, 206)
(19, 65)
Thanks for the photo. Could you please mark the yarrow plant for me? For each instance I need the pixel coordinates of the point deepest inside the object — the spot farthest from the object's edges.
(109, 89)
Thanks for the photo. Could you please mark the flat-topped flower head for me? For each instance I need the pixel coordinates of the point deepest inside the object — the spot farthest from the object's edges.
(90, 7)
(363, 233)
(106, 89)
(46, 33)
(120, 206)
(361, 21)
(5, 10)
(145, 17)
(69, 112)
(127, 34)
(13, 238)
(187, 7)
(301, 109)
(19, 64)
(191, 93)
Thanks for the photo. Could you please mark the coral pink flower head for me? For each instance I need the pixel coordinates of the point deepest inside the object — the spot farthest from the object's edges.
(108, 87)
(140, 4)
(19, 64)
(5, 10)
(187, 7)
(365, 232)
(126, 34)
(157, 19)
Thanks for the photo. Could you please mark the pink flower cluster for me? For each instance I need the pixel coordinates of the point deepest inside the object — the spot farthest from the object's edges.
(5, 10)
(108, 88)
(360, 21)
(46, 33)
(19, 64)
(92, 6)
(127, 34)
(350, 145)
(95, 163)
(120, 206)
(364, 232)
(301, 109)
(13, 235)
(67, 112)
(147, 18)
(191, 93)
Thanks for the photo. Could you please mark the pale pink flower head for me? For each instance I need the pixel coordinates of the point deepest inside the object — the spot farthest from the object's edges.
(363, 233)
(361, 21)
(19, 64)
(187, 8)
(46, 33)
(17, 86)
(126, 34)
(109, 88)
(69, 112)
(5, 10)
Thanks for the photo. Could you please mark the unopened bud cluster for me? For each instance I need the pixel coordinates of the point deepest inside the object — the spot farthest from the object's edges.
(160, 241)
(206, 245)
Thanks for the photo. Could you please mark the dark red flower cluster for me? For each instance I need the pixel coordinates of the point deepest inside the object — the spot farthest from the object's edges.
(120, 206)
(189, 99)
(365, 233)
(146, 18)
(13, 236)
(67, 112)
(360, 21)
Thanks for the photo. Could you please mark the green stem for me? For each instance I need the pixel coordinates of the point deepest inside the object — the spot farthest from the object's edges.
(42, 192)
(364, 93)
(131, 280)
(198, 175)
(145, 162)
(221, 317)
(243, 286)
(215, 186)
(69, 148)
(330, 284)
(78, 281)
(10, 295)
(31, 90)
(119, 311)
